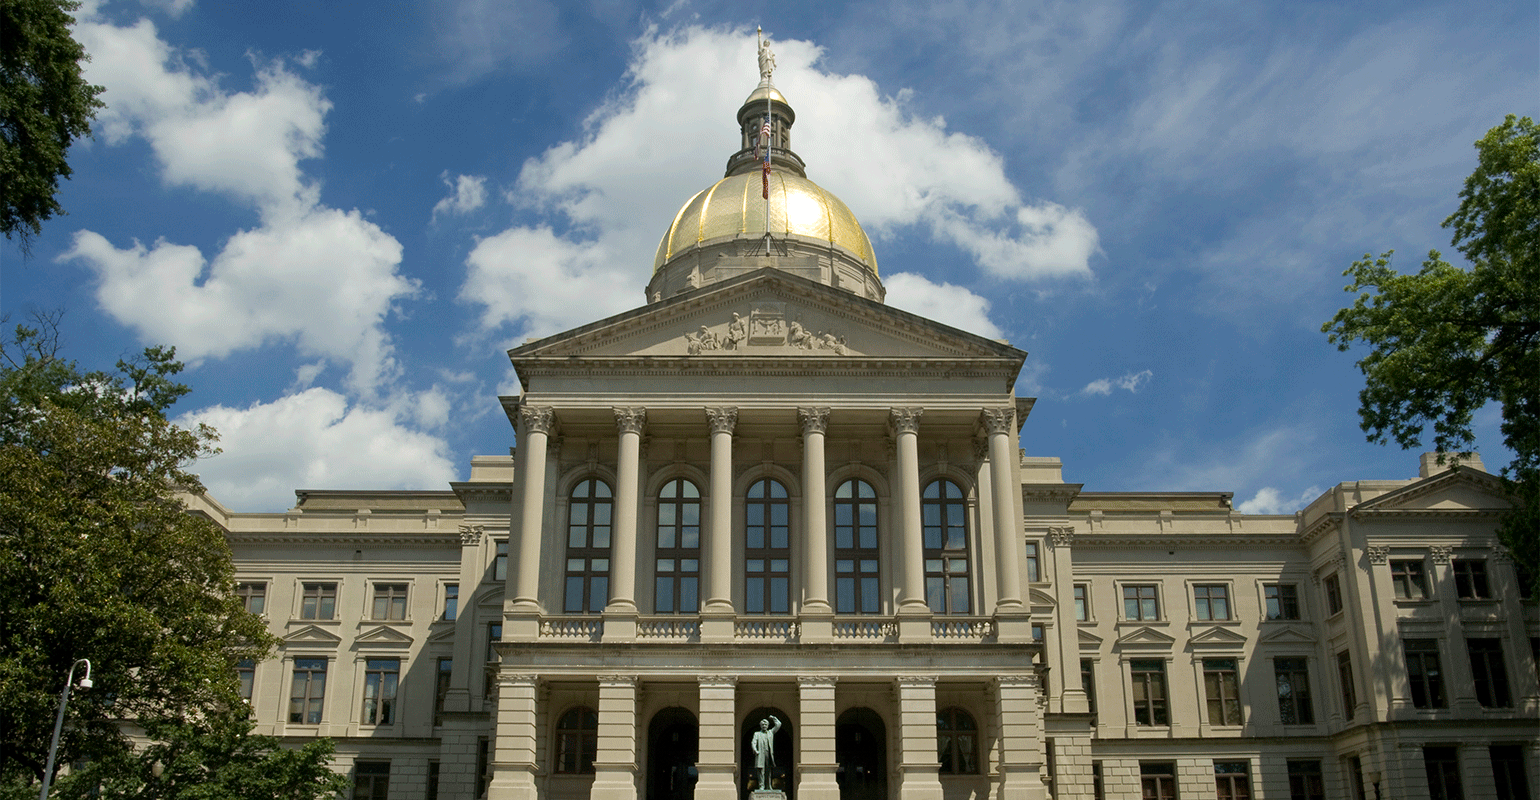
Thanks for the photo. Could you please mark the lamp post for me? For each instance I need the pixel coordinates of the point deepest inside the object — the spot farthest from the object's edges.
(58, 723)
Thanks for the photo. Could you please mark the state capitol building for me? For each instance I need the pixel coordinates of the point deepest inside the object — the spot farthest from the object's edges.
(766, 494)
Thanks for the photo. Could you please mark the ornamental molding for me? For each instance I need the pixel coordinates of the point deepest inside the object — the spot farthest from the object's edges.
(1137, 540)
(915, 681)
(623, 681)
(722, 419)
(905, 420)
(1016, 682)
(471, 534)
(438, 541)
(717, 681)
(997, 421)
(980, 450)
(813, 420)
(1051, 492)
(684, 367)
(1378, 554)
(816, 681)
(630, 420)
(1061, 537)
(1440, 554)
(1502, 554)
(537, 419)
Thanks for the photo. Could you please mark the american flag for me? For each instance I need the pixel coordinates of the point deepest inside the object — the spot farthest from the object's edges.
(764, 145)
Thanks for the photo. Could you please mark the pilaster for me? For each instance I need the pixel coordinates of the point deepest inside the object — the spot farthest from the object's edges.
(615, 762)
(816, 611)
(1021, 738)
(717, 612)
(918, 769)
(718, 762)
(513, 761)
(536, 423)
(816, 763)
(905, 425)
(621, 612)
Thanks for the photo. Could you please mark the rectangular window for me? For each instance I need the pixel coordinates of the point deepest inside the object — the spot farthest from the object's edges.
(1098, 787)
(1088, 682)
(1211, 601)
(371, 780)
(1423, 670)
(1305, 782)
(1345, 681)
(1141, 602)
(1333, 594)
(1232, 780)
(382, 676)
(246, 672)
(1149, 677)
(500, 561)
(441, 688)
(1034, 569)
(1157, 780)
(1282, 600)
(1410, 579)
(433, 772)
(253, 596)
(857, 559)
(389, 601)
(1488, 673)
(1293, 676)
(451, 601)
(1470, 579)
(318, 601)
(1356, 777)
(308, 691)
(1508, 770)
(1082, 602)
(1443, 765)
(483, 766)
(494, 635)
(1222, 687)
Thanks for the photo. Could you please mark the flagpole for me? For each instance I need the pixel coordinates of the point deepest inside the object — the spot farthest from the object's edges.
(769, 122)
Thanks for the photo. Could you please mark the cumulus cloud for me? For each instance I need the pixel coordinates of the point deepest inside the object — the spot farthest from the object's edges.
(316, 439)
(321, 278)
(609, 194)
(1131, 381)
(953, 305)
(1271, 501)
(466, 194)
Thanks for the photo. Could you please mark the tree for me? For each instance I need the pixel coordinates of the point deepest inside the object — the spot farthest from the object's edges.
(99, 560)
(45, 105)
(1448, 340)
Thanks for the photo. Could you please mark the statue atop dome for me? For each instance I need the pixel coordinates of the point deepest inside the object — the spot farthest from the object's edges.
(766, 61)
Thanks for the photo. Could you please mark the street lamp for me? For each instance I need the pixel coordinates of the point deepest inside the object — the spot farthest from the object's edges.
(58, 723)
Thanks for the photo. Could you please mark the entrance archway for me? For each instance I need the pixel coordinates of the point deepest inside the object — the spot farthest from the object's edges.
(673, 747)
(781, 771)
(861, 748)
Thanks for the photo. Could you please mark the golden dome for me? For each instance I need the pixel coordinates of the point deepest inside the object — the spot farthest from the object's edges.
(735, 208)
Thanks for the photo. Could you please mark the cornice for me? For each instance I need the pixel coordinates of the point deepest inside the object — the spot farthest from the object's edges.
(1058, 492)
(795, 366)
(1141, 540)
(483, 492)
(445, 539)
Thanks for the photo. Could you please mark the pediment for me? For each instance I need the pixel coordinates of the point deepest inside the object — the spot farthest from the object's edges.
(1459, 489)
(313, 635)
(766, 313)
(1089, 640)
(1145, 637)
(445, 635)
(1289, 635)
(1038, 597)
(383, 636)
(1218, 638)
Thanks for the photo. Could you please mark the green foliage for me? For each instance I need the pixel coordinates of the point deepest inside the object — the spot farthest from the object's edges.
(99, 560)
(1448, 340)
(45, 105)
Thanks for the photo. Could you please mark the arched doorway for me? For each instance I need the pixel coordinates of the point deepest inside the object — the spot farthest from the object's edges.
(673, 746)
(781, 770)
(861, 748)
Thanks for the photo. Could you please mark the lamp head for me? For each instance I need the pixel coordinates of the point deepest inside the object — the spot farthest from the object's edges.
(85, 683)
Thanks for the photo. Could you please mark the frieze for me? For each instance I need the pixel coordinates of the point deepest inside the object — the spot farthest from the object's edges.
(766, 326)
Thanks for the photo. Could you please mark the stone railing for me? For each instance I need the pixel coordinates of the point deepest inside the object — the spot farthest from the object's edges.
(686, 629)
(865, 630)
(575, 629)
(759, 629)
(961, 629)
(668, 629)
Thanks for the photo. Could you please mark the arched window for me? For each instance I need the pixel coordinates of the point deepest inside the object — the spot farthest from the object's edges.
(767, 549)
(957, 742)
(577, 741)
(856, 559)
(678, 551)
(588, 548)
(944, 512)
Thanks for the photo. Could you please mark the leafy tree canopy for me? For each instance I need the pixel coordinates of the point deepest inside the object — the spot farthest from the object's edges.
(45, 105)
(1448, 340)
(99, 560)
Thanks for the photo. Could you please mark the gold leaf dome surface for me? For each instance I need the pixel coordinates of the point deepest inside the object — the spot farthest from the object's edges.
(735, 208)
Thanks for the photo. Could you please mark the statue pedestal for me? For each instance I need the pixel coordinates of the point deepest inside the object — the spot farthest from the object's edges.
(767, 794)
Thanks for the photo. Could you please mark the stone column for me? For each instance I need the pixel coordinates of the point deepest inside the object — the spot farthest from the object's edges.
(816, 762)
(1021, 738)
(905, 423)
(620, 613)
(717, 612)
(536, 423)
(918, 767)
(815, 529)
(1066, 658)
(513, 753)
(718, 759)
(1008, 533)
(615, 767)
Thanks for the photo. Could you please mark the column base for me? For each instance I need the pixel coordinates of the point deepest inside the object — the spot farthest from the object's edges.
(521, 623)
(716, 782)
(816, 783)
(614, 782)
(620, 624)
(914, 624)
(511, 782)
(919, 782)
(1014, 626)
(716, 625)
(817, 625)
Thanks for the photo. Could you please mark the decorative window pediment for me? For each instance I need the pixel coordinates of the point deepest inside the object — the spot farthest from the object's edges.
(313, 635)
(383, 636)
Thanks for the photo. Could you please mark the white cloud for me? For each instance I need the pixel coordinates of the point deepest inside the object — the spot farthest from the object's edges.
(1271, 501)
(466, 194)
(610, 194)
(953, 305)
(173, 8)
(321, 278)
(1131, 381)
(312, 440)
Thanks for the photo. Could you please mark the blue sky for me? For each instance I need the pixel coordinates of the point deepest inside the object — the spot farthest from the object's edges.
(343, 215)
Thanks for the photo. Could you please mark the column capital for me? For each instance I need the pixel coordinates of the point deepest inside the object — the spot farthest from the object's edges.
(717, 681)
(630, 420)
(1016, 682)
(905, 420)
(1062, 536)
(997, 420)
(471, 535)
(1378, 554)
(722, 419)
(908, 681)
(1440, 554)
(618, 680)
(537, 419)
(816, 681)
(512, 679)
(814, 420)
